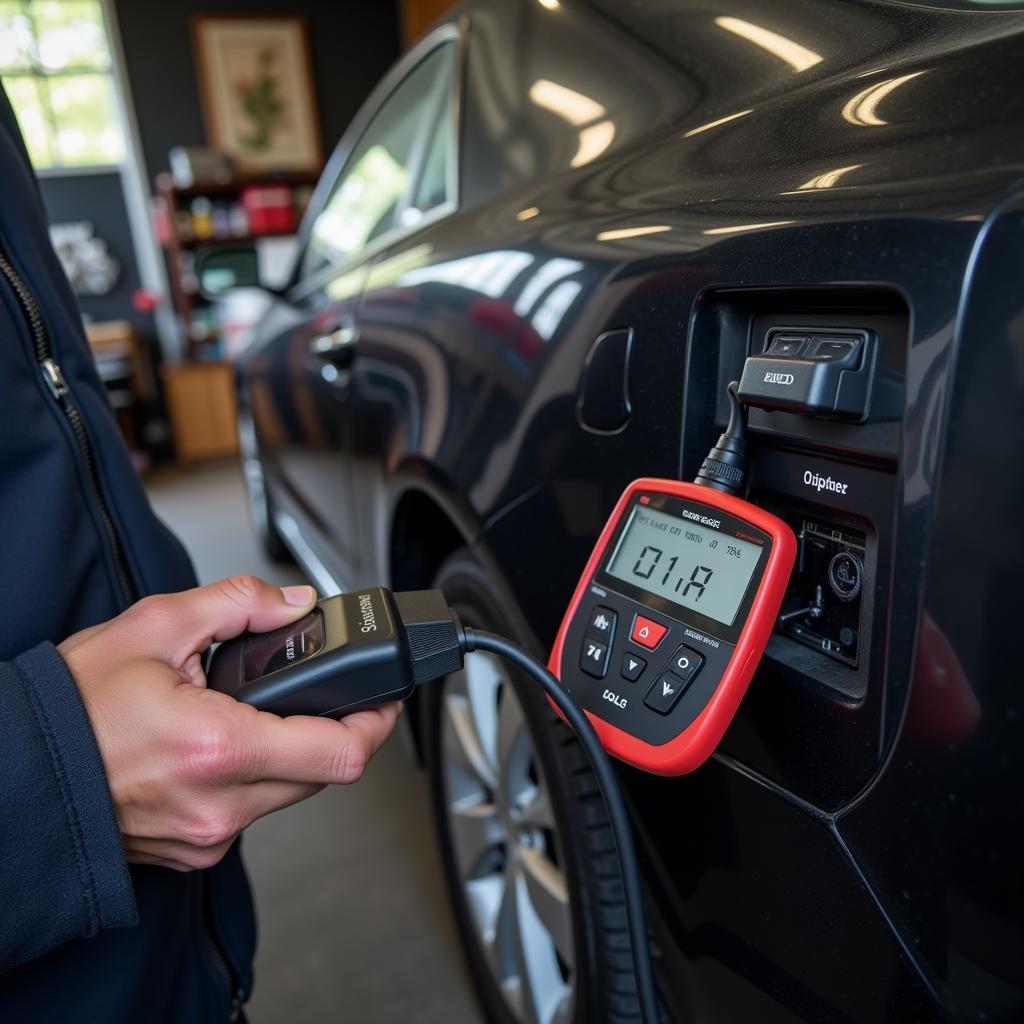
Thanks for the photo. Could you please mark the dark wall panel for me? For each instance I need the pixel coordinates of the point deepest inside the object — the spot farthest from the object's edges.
(352, 44)
(97, 198)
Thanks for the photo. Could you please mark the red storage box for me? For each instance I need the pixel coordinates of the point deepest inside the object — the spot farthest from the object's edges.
(269, 208)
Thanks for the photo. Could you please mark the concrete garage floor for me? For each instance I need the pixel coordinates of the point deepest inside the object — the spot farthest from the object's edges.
(354, 924)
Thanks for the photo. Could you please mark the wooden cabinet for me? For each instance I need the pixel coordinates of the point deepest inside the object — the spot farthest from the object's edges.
(204, 414)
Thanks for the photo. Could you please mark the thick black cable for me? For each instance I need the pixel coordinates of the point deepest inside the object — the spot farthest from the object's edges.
(725, 468)
(616, 807)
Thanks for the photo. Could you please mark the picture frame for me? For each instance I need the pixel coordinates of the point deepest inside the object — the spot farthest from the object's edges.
(257, 92)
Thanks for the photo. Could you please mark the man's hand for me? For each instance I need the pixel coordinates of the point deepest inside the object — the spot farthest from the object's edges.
(189, 768)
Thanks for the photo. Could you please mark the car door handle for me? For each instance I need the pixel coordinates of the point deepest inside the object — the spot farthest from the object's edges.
(337, 346)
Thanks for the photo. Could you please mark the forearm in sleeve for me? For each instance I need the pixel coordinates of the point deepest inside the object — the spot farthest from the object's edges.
(63, 873)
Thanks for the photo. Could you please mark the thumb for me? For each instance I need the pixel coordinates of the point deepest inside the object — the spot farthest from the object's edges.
(188, 622)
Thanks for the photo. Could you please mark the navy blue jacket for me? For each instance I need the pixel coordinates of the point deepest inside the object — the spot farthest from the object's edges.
(83, 936)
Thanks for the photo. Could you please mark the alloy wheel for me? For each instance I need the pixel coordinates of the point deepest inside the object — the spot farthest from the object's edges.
(506, 843)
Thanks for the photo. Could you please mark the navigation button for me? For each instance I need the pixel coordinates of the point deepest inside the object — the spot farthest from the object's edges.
(664, 695)
(843, 350)
(632, 667)
(594, 657)
(647, 633)
(685, 663)
(601, 622)
(787, 345)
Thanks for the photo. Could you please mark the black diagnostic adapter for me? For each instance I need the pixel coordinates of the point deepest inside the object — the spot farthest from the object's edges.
(818, 372)
(351, 652)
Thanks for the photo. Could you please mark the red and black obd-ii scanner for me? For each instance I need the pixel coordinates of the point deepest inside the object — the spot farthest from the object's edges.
(673, 612)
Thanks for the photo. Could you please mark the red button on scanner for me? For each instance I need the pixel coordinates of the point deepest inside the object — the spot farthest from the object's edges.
(647, 633)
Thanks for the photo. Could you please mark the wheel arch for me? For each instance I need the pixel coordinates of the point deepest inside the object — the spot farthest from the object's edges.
(430, 520)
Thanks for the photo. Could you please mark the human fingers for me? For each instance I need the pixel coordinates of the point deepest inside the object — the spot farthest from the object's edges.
(319, 750)
(174, 627)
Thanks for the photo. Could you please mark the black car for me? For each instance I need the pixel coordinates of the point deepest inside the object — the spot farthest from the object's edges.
(434, 401)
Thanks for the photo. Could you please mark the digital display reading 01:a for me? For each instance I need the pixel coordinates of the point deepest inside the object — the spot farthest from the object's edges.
(687, 564)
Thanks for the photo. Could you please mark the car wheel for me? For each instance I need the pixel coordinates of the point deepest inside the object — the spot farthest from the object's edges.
(524, 837)
(261, 515)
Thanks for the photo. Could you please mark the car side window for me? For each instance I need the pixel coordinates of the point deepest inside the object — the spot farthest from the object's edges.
(375, 183)
(432, 188)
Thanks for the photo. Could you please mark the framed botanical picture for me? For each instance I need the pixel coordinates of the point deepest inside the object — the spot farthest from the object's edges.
(257, 91)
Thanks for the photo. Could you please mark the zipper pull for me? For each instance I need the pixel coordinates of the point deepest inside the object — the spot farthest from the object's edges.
(54, 379)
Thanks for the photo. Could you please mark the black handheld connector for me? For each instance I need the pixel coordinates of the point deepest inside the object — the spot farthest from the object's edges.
(371, 647)
(353, 651)
(725, 467)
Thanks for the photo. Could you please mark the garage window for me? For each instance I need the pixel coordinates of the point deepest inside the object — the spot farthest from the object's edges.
(397, 172)
(55, 66)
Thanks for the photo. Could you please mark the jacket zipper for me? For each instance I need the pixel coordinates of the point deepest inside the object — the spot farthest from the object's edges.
(61, 392)
(220, 965)
(217, 957)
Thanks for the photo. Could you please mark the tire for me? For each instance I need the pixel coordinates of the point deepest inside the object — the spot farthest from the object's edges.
(514, 798)
(261, 509)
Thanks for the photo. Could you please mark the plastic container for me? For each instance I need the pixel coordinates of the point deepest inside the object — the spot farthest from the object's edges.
(269, 208)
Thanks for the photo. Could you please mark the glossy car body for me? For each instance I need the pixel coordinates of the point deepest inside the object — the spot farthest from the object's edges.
(696, 172)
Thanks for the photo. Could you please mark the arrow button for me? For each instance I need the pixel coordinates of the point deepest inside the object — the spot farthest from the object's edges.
(664, 695)
(633, 667)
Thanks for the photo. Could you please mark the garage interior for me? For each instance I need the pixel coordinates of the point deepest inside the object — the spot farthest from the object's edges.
(665, 358)
(133, 185)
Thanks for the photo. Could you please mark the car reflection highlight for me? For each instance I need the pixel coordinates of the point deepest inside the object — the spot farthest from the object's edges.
(596, 129)
(737, 228)
(827, 179)
(862, 108)
(616, 233)
(798, 57)
(715, 124)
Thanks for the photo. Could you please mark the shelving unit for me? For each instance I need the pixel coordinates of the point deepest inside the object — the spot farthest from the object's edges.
(201, 391)
(172, 211)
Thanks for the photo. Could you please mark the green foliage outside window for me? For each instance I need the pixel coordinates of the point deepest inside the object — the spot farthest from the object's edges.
(55, 66)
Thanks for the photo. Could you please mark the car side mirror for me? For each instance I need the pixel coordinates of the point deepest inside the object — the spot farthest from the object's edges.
(219, 270)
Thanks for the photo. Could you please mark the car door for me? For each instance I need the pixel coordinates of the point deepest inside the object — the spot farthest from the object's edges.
(357, 212)
(382, 393)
